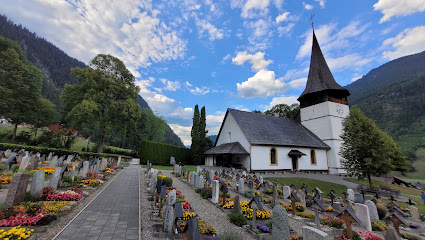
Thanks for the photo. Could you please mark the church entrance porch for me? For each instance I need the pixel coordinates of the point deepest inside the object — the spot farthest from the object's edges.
(229, 155)
(295, 155)
(294, 163)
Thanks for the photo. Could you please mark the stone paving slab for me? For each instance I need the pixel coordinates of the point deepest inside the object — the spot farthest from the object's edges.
(114, 214)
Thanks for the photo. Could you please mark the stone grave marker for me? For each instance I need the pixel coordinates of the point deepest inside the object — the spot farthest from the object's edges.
(317, 205)
(414, 213)
(373, 211)
(301, 196)
(257, 203)
(215, 191)
(97, 167)
(236, 204)
(201, 181)
(25, 162)
(362, 212)
(17, 189)
(54, 180)
(73, 173)
(12, 160)
(37, 183)
(169, 212)
(80, 165)
(54, 162)
(193, 228)
(358, 198)
(162, 195)
(152, 182)
(275, 195)
(119, 161)
(102, 164)
(280, 224)
(391, 234)
(34, 162)
(234, 183)
(241, 186)
(350, 195)
(85, 170)
(69, 159)
(311, 233)
(286, 191)
(251, 184)
(7, 153)
(172, 160)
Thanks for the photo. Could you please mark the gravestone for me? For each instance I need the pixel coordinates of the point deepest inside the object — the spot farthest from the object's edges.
(73, 173)
(198, 169)
(153, 182)
(169, 212)
(373, 211)
(172, 160)
(358, 198)
(286, 191)
(215, 191)
(195, 180)
(414, 213)
(102, 164)
(350, 195)
(391, 234)
(261, 180)
(234, 183)
(212, 174)
(50, 156)
(97, 167)
(54, 180)
(280, 224)
(201, 181)
(251, 184)
(69, 159)
(25, 162)
(34, 162)
(7, 153)
(301, 196)
(241, 186)
(54, 162)
(275, 195)
(193, 229)
(17, 189)
(362, 212)
(119, 161)
(311, 233)
(37, 183)
(85, 170)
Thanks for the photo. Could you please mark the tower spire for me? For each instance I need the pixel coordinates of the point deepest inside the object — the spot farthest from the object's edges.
(321, 85)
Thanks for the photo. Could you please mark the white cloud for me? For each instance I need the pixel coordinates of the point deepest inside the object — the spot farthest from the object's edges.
(199, 91)
(347, 61)
(257, 60)
(297, 83)
(182, 113)
(170, 85)
(321, 2)
(214, 123)
(282, 100)
(188, 84)
(262, 84)
(356, 78)
(408, 42)
(213, 32)
(183, 132)
(282, 17)
(308, 6)
(254, 7)
(394, 8)
(225, 58)
(129, 30)
(285, 30)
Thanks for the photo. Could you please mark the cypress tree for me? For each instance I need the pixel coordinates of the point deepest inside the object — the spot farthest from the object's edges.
(202, 131)
(195, 135)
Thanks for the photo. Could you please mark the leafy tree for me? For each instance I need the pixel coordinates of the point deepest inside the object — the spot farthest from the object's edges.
(103, 98)
(283, 110)
(257, 111)
(195, 146)
(20, 84)
(44, 115)
(367, 150)
(154, 127)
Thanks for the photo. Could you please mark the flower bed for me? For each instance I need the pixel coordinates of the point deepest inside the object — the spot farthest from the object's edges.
(16, 233)
(332, 222)
(306, 215)
(47, 170)
(11, 217)
(298, 207)
(5, 179)
(72, 194)
(247, 211)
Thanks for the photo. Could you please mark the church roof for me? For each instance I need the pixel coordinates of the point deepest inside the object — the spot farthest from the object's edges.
(320, 77)
(227, 148)
(262, 129)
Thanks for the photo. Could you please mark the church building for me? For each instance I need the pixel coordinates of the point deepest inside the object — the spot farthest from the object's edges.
(309, 142)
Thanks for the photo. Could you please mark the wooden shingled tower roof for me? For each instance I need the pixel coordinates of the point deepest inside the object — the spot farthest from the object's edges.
(320, 81)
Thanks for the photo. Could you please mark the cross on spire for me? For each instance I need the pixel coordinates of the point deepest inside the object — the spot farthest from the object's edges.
(311, 20)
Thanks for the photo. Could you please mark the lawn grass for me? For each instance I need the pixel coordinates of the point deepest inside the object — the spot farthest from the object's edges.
(377, 183)
(311, 184)
(419, 164)
(419, 203)
(170, 168)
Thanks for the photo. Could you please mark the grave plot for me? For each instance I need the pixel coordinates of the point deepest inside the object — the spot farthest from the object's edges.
(343, 215)
(41, 189)
(171, 215)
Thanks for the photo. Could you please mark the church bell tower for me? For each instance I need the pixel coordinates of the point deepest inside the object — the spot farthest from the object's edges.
(324, 106)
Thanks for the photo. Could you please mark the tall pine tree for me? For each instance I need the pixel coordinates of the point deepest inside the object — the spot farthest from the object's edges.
(195, 136)
(202, 130)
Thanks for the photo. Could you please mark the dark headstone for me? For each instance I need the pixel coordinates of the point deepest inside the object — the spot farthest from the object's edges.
(358, 198)
(194, 233)
(163, 191)
(178, 210)
(158, 186)
(80, 165)
(257, 202)
(17, 189)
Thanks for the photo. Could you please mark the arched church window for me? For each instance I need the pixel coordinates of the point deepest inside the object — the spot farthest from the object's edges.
(313, 157)
(273, 157)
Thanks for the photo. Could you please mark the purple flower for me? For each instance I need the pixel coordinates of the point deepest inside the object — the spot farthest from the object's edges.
(263, 228)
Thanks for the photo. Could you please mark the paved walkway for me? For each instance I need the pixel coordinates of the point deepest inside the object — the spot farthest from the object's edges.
(113, 214)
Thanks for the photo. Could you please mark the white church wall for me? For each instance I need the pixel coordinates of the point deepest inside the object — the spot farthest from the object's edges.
(209, 160)
(242, 159)
(260, 159)
(335, 166)
(236, 134)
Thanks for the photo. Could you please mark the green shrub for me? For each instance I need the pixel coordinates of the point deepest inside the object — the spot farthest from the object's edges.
(409, 237)
(178, 174)
(67, 179)
(31, 198)
(249, 193)
(378, 226)
(206, 193)
(356, 236)
(3, 166)
(382, 211)
(238, 219)
(161, 153)
(14, 168)
(228, 195)
(167, 181)
(77, 178)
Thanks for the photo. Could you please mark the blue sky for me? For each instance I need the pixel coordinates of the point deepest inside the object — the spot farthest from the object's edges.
(243, 54)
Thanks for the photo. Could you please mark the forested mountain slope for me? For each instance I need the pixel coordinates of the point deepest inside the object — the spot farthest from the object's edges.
(394, 96)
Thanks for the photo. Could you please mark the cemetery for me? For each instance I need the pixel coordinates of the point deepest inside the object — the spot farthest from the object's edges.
(38, 190)
(262, 208)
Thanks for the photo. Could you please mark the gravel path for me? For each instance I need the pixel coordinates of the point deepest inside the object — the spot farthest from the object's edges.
(205, 209)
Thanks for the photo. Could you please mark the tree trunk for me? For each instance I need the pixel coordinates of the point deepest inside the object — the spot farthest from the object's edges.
(101, 143)
(14, 133)
(35, 134)
(370, 181)
(88, 145)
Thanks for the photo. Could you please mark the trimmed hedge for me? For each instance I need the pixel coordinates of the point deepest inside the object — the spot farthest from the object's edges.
(59, 152)
(160, 153)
